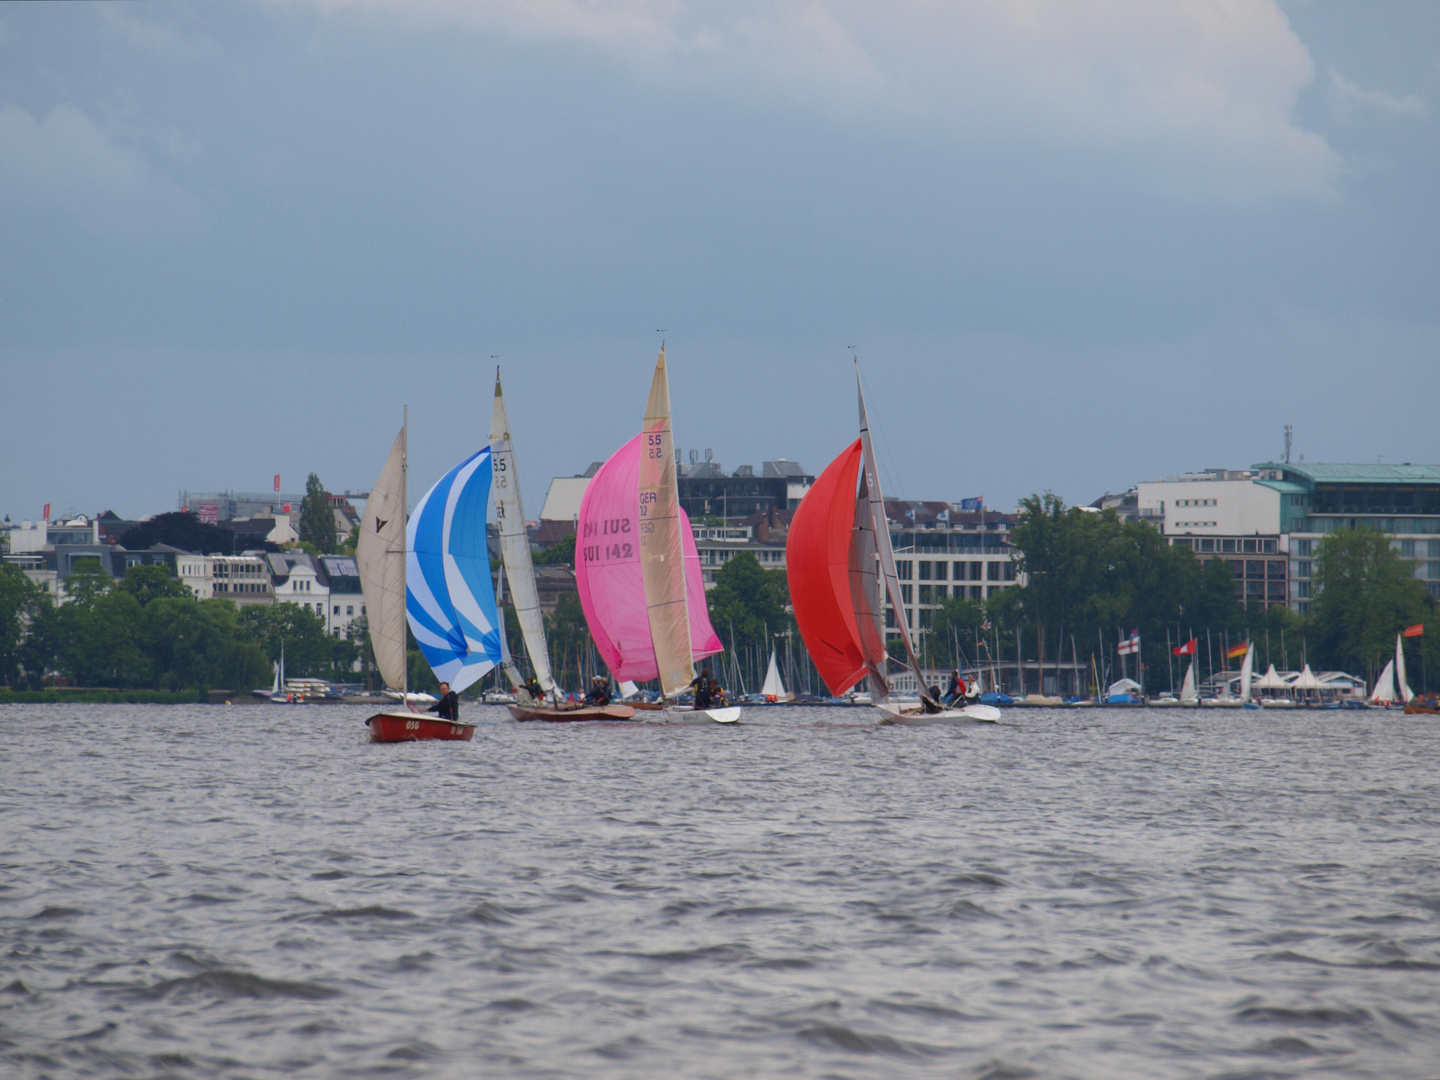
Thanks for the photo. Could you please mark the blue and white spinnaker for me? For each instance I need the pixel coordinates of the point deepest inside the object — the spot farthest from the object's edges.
(449, 599)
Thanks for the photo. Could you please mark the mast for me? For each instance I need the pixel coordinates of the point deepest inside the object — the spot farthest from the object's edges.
(882, 542)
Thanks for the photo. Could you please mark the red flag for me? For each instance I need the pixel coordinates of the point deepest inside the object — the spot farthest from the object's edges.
(1190, 647)
(1415, 631)
(277, 483)
(46, 516)
(1237, 650)
(287, 509)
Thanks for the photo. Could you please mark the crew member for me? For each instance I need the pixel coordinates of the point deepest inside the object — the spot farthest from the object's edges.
(449, 704)
(704, 687)
(599, 691)
(532, 687)
(957, 688)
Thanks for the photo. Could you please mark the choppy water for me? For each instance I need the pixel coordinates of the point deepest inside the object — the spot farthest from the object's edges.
(257, 891)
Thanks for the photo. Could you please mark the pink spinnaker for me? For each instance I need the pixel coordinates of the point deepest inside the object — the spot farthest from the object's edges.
(609, 578)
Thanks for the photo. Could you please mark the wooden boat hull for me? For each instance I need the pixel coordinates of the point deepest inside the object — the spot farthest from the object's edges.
(582, 712)
(914, 716)
(411, 727)
(1422, 708)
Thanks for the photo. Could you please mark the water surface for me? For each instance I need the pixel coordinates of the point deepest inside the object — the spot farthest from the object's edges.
(256, 891)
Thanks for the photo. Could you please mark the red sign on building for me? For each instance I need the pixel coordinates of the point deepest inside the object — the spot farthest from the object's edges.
(210, 513)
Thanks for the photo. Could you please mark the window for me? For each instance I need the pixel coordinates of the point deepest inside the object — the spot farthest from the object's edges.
(337, 609)
(1009, 571)
(349, 609)
(904, 569)
(1302, 590)
(1302, 547)
(977, 592)
(1269, 547)
(1251, 547)
(1275, 570)
(1228, 545)
(1407, 549)
(977, 571)
(1434, 548)
(1275, 590)
(940, 569)
(1254, 590)
(925, 569)
(890, 617)
(992, 571)
(1302, 568)
(1237, 568)
(1432, 571)
(1184, 542)
(907, 594)
(926, 592)
(1207, 545)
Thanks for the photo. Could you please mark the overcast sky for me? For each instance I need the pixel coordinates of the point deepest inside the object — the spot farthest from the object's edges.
(1074, 245)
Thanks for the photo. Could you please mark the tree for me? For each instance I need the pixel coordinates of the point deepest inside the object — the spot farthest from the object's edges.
(184, 530)
(748, 600)
(953, 627)
(20, 601)
(1367, 595)
(317, 517)
(562, 552)
(297, 629)
(147, 583)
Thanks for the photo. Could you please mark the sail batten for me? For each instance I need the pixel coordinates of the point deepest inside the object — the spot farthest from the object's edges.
(515, 545)
(380, 559)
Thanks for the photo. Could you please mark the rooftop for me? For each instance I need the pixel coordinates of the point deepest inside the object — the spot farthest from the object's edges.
(1316, 473)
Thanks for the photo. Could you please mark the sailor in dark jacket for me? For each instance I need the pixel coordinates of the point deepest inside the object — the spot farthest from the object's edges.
(449, 704)
(599, 691)
(704, 687)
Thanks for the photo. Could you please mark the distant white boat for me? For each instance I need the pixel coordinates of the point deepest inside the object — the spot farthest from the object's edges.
(1384, 686)
(774, 689)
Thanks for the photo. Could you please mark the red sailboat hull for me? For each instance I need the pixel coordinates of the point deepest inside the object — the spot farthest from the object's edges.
(411, 727)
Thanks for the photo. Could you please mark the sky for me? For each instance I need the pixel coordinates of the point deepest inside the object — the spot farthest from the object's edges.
(1074, 246)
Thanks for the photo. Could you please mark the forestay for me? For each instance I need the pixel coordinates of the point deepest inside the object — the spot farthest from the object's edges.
(450, 601)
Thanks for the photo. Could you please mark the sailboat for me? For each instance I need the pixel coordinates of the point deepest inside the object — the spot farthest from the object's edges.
(773, 689)
(519, 568)
(1247, 672)
(382, 558)
(1384, 691)
(835, 540)
(1188, 695)
(1400, 682)
(637, 569)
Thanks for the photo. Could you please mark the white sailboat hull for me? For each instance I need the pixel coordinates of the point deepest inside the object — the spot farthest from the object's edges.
(685, 714)
(913, 715)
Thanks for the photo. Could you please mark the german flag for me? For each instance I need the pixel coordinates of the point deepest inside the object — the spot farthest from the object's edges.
(1236, 650)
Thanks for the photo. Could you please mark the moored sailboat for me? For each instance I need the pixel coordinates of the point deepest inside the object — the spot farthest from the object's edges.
(836, 539)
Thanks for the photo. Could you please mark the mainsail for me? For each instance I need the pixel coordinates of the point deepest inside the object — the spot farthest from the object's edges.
(380, 558)
(773, 687)
(1188, 696)
(1385, 685)
(1400, 682)
(450, 600)
(610, 581)
(1247, 669)
(515, 544)
(662, 560)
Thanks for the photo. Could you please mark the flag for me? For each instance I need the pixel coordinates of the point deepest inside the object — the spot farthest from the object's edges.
(972, 504)
(46, 516)
(1188, 649)
(277, 483)
(287, 509)
(1237, 650)
(1129, 645)
(943, 515)
(1415, 631)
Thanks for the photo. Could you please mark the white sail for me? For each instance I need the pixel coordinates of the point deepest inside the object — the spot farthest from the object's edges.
(662, 559)
(1187, 689)
(881, 525)
(1385, 684)
(515, 545)
(628, 690)
(380, 557)
(773, 686)
(1247, 671)
(1400, 684)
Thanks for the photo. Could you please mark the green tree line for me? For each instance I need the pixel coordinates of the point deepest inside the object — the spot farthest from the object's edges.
(148, 630)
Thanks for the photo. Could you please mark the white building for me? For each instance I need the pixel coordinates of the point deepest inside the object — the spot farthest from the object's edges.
(295, 580)
(244, 579)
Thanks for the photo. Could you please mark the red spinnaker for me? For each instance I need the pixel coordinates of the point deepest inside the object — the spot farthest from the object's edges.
(817, 561)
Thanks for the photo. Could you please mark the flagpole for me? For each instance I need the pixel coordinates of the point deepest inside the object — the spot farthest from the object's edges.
(1170, 662)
